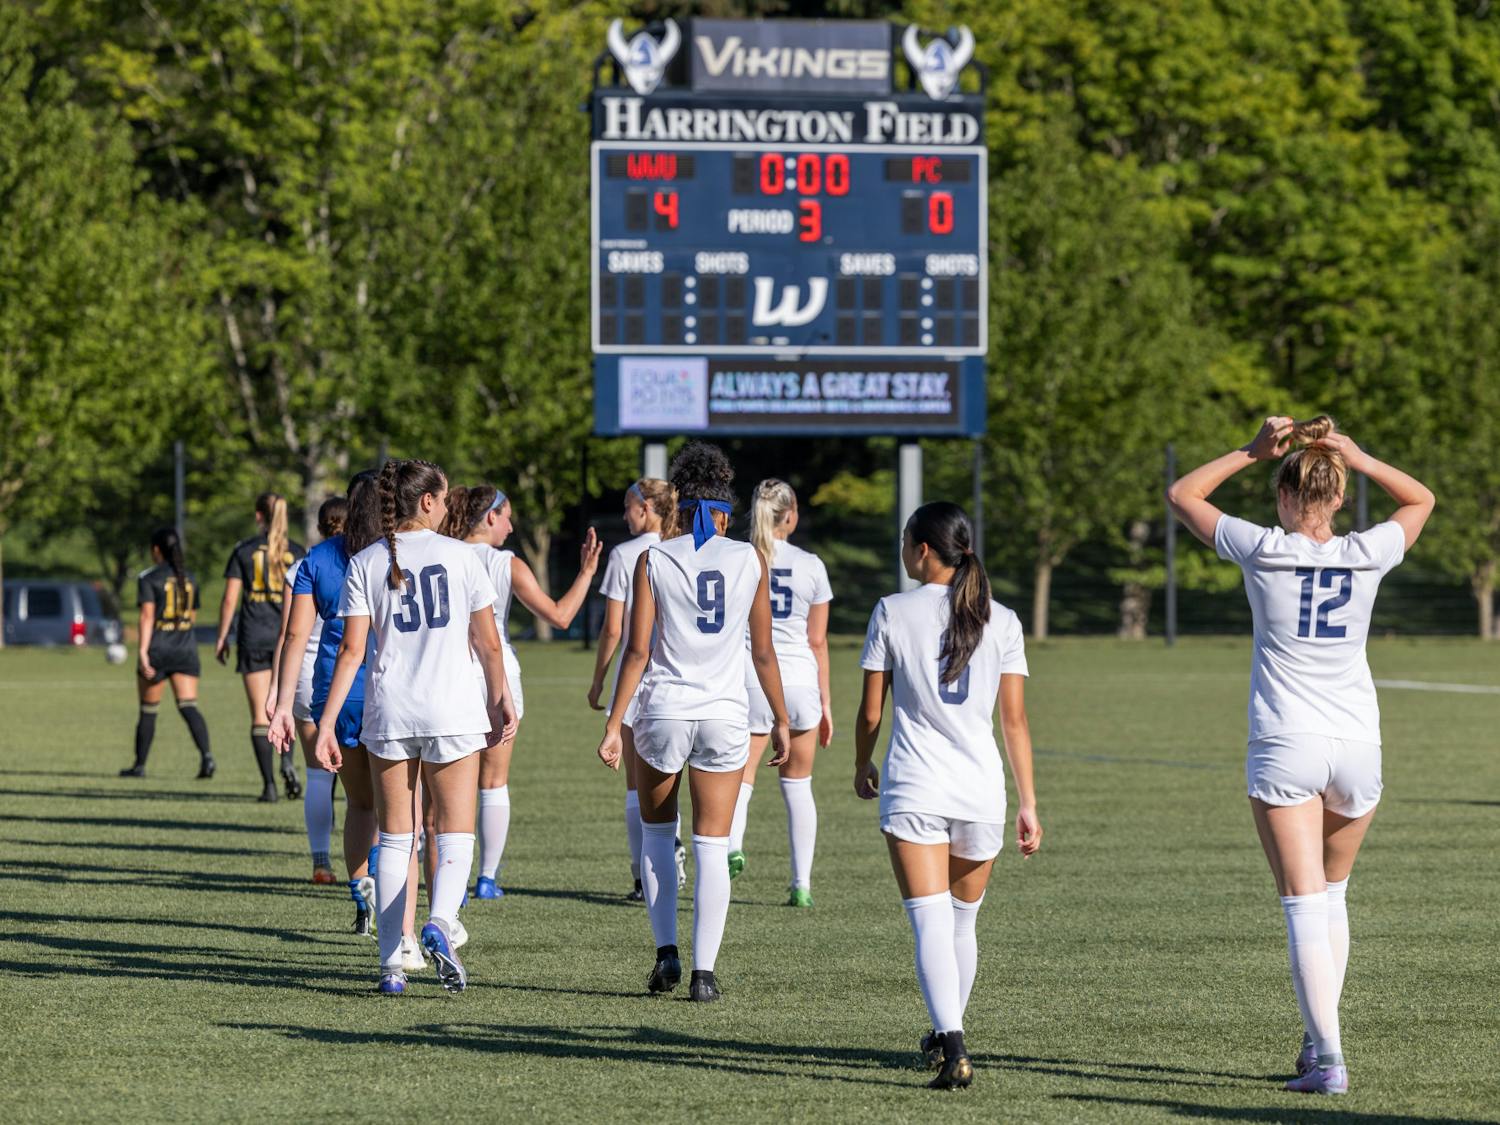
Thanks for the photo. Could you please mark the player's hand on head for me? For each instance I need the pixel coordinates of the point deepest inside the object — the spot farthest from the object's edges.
(1028, 831)
(1271, 442)
(1345, 447)
(611, 746)
(866, 782)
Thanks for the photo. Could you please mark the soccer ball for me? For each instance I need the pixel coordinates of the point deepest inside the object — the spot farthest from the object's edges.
(115, 653)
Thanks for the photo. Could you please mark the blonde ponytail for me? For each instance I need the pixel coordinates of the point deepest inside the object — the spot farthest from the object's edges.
(769, 504)
(272, 509)
(1314, 475)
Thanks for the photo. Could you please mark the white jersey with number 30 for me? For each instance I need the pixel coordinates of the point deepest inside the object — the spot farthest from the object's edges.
(943, 759)
(703, 599)
(421, 669)
(1311, 603)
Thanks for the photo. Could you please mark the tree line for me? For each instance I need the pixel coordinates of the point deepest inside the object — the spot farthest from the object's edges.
(308, 232)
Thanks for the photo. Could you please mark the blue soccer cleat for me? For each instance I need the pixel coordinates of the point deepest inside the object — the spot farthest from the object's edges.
(487, 888)
(439, 943)
(392, 984)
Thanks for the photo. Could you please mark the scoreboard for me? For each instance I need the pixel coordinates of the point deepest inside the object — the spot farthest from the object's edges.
(761, 250)
(783, 242)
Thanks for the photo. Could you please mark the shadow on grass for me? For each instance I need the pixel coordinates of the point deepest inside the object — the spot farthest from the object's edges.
(1293, 1107)
(133, 823)
(593, 898)
(1448, 801)
(177, 849)
(134, 792)
(86, 874)
(27, 917)
(1135, 1072)
(649, 1045)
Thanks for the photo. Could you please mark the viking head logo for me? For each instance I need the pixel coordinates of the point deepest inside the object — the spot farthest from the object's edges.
(643, 59)
(939, 64)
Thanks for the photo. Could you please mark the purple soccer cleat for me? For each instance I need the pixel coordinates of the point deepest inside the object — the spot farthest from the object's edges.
(1322, 1080)
(1307, 1059)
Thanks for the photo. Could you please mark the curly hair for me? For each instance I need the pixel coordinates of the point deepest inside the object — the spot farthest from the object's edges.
(701, 472)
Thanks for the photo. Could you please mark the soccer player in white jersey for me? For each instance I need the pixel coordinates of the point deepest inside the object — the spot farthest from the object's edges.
(317, 808)
(1313, 766)
(428, 605)
(946, 653)
(694, 595)
(481, 516)
(650, 516)
(799, 628)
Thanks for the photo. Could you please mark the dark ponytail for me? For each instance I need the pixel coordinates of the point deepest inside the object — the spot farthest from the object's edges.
(401, 485)
(332, 514)
(362, 524)
(468, 506)
(167, 541)
(950, 537)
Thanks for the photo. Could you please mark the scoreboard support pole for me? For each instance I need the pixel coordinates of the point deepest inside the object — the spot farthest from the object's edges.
(654, 460)
(908, 500)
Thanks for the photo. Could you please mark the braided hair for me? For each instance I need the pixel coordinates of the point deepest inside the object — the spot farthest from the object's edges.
(401, 485)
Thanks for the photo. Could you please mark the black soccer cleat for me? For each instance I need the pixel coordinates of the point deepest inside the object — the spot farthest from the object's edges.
(136, 770)
(293, 786)
(268, 795)
(957, 1071)
(931, 1049)
(207, 767)
(704, 987)
(636, 894)
(667, 973)
(364, 920)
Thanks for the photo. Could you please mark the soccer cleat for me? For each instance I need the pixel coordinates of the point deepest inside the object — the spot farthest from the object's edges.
(704, 987)
(487, 888)
(1322, 1080)
(931, 1049)
(324, 876)
(800, 896)
(667, 973)
(412, 960)
(1307, 1058)
(956, 1071)
(207, 767)
(438, 941)
(392, 984)
(636, 894)
(736, 863)
(133, 771)
(364, 921)
(681, 864)
(460, 935)
(268, 795)
(362, 891)
(293, 786)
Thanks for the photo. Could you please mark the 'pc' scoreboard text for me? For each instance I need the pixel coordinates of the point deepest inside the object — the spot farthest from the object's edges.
(787, 263)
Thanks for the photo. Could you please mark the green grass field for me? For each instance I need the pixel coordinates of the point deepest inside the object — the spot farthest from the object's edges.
(167, 960)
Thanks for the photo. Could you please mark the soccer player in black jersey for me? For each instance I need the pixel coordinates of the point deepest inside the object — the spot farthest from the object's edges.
(257, 569)
(169, 606)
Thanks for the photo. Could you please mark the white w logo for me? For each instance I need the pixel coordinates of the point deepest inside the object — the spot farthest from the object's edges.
(788, 313)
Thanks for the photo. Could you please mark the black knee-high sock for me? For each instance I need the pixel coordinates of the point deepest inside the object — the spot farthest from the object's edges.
(265, 755)
(145, 731)
(188, 709)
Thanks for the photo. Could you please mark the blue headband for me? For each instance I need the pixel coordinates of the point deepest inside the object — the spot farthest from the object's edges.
(635, 490)
(499, 500)
(703, 520)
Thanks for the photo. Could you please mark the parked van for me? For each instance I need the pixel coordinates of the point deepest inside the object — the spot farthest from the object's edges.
(41, 611)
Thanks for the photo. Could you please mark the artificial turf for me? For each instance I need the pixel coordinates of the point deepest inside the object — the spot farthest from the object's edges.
(166, 958)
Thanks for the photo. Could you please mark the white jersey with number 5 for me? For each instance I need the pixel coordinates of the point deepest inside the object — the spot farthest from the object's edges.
(703, 599)
(1311, 604)
(421, 668)
(798, 581)
(943, 759)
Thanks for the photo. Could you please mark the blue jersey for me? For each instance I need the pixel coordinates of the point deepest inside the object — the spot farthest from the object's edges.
(322, 575)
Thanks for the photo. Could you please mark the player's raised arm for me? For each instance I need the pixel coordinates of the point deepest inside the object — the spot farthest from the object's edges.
(1188, 495)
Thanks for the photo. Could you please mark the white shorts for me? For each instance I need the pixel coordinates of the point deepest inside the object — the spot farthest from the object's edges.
(439, 749)
(302, 702)
(714, 745)
(1291, 769)
(966, 839)
(804, 706)
(631, 709)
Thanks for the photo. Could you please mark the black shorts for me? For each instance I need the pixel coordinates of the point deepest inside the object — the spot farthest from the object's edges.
(175, 661)
(253, 659)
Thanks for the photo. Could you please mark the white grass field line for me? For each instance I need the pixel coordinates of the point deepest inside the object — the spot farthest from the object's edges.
(1427, 685)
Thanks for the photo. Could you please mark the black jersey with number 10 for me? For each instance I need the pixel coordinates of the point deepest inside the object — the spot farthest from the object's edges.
(260, 608)
(176, 610)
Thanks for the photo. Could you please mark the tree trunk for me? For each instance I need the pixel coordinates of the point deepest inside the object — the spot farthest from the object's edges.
(1135, 599)
(536, 545)
(1482, 582)
(2, 591)
(1041, 593)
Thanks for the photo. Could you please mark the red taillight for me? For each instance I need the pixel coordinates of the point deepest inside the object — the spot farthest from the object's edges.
(78, 633)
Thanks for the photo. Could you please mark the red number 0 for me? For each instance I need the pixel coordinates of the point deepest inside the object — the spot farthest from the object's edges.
(940, 213)
(809, 174)
(811, 220)
(837, 174)
(772, 174)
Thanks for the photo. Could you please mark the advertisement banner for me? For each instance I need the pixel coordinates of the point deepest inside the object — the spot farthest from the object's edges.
(664, 393)
(791, 56)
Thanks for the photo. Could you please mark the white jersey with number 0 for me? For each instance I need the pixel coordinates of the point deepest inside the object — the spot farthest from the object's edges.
(421, 668)
(618, 585)
(703, 599)
(1311, 603)
(943, 759)
(798, 581)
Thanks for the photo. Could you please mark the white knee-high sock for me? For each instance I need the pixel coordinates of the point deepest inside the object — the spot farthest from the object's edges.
(633, 830)
(659, 879)
(937, 965)
(317, 810)
(741, 815)
(965, 948)
(494, 827)
(455, 859)
(1313, 971)
(710, 898)
(801, 827)
(1338, 933)
(391, 868)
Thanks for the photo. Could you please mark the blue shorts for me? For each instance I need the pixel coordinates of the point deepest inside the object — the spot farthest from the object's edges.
(350, 723)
